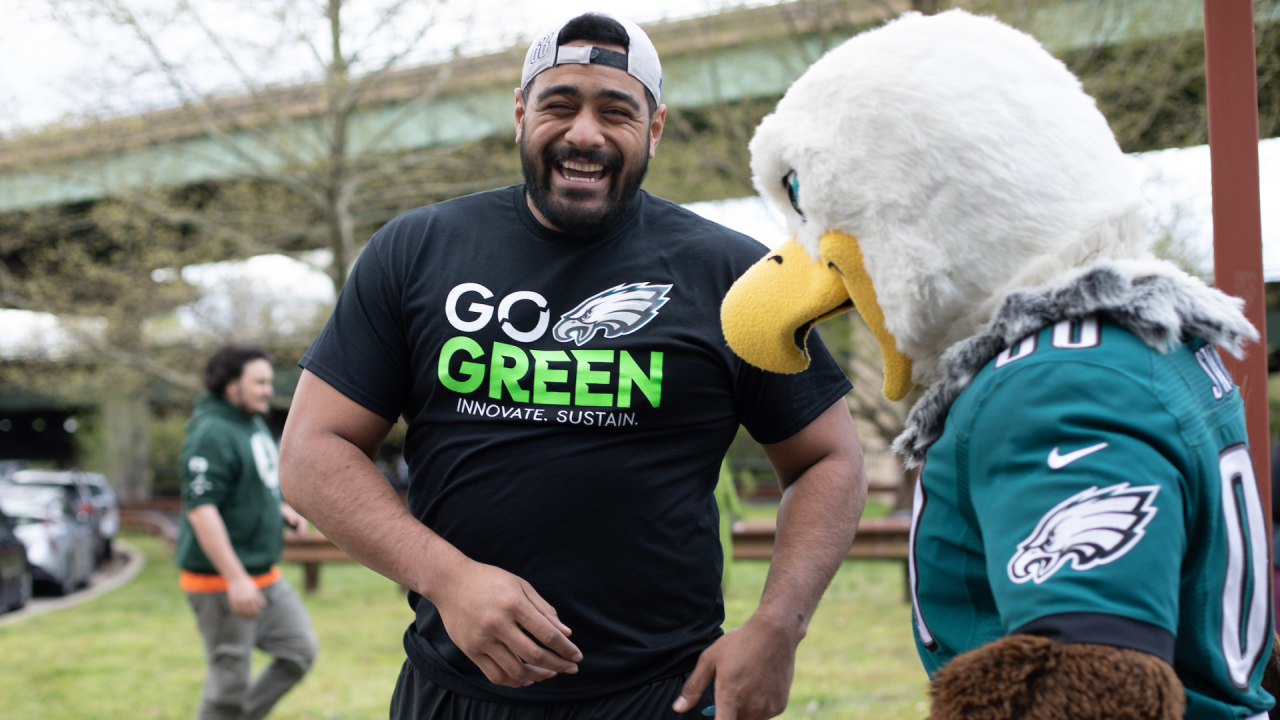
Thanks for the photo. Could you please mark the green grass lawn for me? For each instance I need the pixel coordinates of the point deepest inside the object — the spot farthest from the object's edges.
(134, 653)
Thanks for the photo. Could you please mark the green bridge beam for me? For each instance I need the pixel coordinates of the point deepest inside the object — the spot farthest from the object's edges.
(734, 56)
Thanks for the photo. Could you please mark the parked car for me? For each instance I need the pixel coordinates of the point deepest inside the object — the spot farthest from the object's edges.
(15, 572)
(9, 467)
(86, 491)
(59, 536)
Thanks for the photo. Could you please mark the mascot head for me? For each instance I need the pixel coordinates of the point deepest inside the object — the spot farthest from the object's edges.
(927, 168)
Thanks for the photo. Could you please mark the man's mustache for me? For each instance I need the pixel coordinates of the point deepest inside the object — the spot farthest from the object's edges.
(567, 153)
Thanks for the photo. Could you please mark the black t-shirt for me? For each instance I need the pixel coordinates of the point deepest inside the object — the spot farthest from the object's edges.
(569, 402)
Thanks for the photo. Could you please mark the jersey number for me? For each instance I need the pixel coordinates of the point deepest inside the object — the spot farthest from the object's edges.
(1245, 602)
(1067, 335)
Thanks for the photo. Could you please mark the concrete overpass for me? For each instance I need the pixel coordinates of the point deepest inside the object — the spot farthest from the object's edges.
(742, 54)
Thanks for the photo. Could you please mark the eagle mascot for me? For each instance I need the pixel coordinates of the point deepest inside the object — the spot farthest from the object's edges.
(1087, 539)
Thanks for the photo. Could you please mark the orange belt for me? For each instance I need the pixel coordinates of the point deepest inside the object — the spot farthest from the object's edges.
(203, 583)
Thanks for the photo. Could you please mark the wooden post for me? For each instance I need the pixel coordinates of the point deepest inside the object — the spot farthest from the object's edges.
(311, 576)
(1237, 226)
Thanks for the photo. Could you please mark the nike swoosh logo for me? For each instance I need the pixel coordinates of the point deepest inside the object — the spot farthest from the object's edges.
(1057, 462)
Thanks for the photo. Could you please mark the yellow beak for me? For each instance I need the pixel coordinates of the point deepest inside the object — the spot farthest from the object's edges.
(767, 314)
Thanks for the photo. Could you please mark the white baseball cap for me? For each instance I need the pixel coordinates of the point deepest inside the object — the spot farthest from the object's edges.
(640, 61)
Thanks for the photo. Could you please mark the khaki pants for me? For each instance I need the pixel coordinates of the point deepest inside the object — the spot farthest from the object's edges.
(282, 630)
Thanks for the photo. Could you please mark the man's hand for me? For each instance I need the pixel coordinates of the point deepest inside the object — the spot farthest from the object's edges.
(824, 488)
(752, 665)
(487, 612)
(292, 520)
(211, 533)
(245, 598)
(326, 472)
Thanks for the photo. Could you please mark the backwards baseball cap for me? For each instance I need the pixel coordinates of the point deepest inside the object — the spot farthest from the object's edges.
(640, 61)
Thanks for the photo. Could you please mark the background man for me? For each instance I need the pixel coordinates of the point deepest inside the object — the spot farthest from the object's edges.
(555, 348)
(229, 540)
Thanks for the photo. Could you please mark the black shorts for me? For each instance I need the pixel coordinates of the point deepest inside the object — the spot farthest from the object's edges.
(418, 698)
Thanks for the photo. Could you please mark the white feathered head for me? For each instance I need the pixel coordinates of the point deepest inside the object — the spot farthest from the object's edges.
(928, 167)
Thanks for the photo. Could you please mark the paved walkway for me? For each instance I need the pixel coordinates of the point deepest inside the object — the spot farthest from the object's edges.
(125, 564)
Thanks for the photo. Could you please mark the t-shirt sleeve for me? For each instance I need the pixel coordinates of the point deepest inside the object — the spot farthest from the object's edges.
(773, 407)
(362, 351)
(1075, 489)
(208, 471)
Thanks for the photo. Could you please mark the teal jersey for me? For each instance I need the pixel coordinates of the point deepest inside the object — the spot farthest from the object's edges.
(1088, 488)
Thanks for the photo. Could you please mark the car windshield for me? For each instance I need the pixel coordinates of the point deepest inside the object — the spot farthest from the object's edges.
(37, 503)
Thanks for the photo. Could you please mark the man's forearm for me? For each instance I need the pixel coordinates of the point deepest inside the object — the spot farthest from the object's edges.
(333, 484)
(753, 665)
(817, 520)
(495, 618)
(211, 535)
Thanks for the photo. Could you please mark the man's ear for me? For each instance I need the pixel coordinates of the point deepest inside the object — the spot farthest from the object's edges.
(656, 123)
(519, 113)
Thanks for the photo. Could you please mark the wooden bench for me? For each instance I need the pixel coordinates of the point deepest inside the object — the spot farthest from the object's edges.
(886, 538)
(311, 551)
(877, 539)
(153, 522)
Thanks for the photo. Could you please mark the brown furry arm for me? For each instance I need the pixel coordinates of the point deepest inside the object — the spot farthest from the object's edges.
(1271, 677)
(1026, 677)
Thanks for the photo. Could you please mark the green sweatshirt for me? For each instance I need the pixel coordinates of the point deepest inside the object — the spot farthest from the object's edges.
(230, 460)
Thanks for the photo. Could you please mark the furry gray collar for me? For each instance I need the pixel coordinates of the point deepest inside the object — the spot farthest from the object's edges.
(1153, 300)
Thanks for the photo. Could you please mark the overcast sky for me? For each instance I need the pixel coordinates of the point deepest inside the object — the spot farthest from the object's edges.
(50, 71)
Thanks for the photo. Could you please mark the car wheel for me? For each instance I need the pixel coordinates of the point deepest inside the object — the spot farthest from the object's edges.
(65, 586)
(24, 591)
(67, 583)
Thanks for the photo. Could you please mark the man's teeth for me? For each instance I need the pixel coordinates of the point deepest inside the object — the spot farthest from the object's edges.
(582, 172)
(583, 167)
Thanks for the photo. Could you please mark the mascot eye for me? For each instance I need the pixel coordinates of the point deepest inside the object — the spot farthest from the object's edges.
(791, 182)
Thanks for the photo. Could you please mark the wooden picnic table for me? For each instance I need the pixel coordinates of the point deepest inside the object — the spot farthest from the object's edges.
(877, 539)
(884, 538)
(311, 551)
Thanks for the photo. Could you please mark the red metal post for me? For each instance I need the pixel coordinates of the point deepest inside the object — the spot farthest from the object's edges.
(1237, 224)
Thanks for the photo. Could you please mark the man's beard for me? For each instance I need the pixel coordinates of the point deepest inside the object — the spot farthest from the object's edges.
(573, 218)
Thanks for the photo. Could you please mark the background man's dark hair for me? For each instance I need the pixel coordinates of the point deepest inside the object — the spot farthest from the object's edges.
(595, 28)
(227, 364)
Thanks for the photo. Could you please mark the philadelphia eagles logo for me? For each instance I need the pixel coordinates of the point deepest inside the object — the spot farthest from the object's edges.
(1088, 529)
(618, 311)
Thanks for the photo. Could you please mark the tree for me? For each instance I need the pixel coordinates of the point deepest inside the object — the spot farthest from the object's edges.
(1145, 67)
(279, 91)
(95, 262)
(279, 100)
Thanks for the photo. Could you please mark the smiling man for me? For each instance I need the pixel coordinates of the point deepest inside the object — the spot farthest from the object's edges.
(582, 176)
(229, 539)
(555, 349)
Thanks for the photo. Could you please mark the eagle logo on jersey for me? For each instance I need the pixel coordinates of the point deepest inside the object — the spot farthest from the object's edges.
(618, 311)
(1088, 529)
